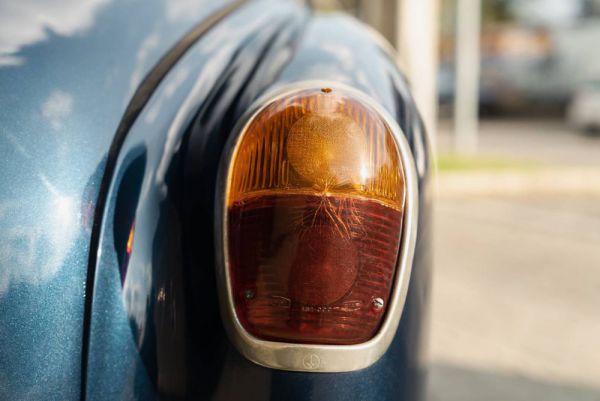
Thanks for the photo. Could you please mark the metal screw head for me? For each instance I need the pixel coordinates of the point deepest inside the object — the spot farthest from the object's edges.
(249, 294)
(377, 303)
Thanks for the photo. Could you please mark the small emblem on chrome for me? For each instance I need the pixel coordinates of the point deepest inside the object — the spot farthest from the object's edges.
(311, 361)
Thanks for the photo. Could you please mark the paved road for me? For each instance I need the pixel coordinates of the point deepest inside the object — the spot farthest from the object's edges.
(516, 301)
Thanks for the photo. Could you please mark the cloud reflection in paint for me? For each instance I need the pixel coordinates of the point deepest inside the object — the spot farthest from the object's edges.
(57, 107)
(34, 251)
(25, 22)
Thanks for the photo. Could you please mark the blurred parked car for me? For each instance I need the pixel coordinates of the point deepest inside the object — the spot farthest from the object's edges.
(584, 110)
(514, 61)
(534, 60)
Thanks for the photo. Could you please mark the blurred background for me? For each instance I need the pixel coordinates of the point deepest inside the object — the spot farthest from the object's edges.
(510, 90)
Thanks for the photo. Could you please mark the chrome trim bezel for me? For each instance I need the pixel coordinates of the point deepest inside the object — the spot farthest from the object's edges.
(315, 357)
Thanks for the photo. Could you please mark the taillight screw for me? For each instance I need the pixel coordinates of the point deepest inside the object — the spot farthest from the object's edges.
(377, 303)
(249, 294)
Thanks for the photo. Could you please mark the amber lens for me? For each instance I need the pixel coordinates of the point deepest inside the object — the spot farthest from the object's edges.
(315, 203)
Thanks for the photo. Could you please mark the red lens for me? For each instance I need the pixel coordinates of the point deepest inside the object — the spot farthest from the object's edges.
(314, 216)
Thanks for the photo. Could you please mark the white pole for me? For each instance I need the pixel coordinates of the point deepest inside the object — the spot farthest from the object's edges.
(468, 31)
(412, 27)
(418, 38)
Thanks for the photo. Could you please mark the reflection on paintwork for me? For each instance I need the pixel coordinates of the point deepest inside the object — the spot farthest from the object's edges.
(25, 22)
(129, 246)
(28, 253)
(67, 72)
(57, 107)
(144, 53)
(321, 57)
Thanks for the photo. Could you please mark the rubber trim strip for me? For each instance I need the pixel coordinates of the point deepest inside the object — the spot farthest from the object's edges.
(134, 108)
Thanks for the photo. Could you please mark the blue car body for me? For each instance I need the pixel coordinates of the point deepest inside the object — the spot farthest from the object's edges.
(113, 118)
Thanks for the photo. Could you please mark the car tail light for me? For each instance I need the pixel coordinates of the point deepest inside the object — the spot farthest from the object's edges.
(314, 204)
